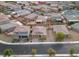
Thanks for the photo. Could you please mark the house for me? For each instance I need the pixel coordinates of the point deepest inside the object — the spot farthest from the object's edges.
(16, 22)
(71, 20)
(41, 19)
(71, 16)
(38, 2)
(4, 19)
(36, 8)
(31, 23)
(11, 6)
(44, 8)
(20, 13)
(75, 27)
(48, 14)
(23, 3)
(41, 2)
(71, 12)
(7, 27)
(56, 18)
(60, 7)
(39, 31)
(21, 32)
(31, 17)
(60, 28)
(54, 7)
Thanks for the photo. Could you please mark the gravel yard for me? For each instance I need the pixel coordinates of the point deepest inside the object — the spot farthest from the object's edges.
(74, 36)
(5, 38)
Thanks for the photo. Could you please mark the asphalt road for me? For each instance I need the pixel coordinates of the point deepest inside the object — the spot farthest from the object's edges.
(41, 48)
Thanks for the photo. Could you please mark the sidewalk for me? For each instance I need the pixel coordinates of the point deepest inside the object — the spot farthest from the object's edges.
(45, 55)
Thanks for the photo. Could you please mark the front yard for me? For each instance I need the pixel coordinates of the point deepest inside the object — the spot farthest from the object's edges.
(74, 36)
(5, 38)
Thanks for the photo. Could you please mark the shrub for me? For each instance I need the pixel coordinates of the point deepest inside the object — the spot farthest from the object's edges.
(51, 52)
(60, 36)
(8, 52)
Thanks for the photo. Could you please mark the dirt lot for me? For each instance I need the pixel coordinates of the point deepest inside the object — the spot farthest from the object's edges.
(5, 38)
(74, 35)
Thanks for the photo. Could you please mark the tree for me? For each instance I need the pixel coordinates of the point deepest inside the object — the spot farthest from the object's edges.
(51, 52)
(60, 36)
(71, 51)
(8, 52)
(34, 51)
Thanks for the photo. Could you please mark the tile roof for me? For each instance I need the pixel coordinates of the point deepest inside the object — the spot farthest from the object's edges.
(22, 29)
(3, 17)
(60, 28)
(31, 16)
(41, 18)
(75, 26)
(39, 30)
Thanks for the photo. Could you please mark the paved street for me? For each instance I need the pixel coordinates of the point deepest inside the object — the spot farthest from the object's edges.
(41, 48)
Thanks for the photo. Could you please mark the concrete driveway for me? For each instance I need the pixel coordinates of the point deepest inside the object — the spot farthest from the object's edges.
(50, 35)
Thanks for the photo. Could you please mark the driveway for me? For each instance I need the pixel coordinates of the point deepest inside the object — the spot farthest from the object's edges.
(50, 35)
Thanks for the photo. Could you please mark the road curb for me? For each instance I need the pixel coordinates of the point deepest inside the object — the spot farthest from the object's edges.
(8, 43)
(46, 55)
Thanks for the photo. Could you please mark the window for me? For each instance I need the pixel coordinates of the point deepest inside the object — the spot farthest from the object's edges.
(19, 36)
(24, 36)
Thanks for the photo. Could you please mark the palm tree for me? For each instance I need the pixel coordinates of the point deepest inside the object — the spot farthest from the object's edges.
(8, 52)
(71, 51)
(60, 36)
(34, 51)
(51, 52)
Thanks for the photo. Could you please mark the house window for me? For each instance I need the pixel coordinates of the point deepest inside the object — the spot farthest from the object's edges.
(19, 36)
(24, 36)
